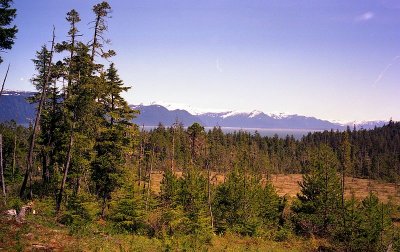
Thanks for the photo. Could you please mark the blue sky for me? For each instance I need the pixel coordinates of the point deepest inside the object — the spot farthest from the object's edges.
(336, 60)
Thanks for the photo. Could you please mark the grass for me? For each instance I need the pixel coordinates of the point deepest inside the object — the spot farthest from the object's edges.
(288, 184)
(42, 232)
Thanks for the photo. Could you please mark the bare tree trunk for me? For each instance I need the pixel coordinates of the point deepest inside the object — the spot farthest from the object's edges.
(173, 148)
(4, 80)
(209, 194)
(78, 184)
(326, 198)
(67, 164)
(14, 153)
(36, 125)
(3, 183)
(343, 191)
(140, 163)
(140, 158)
(95, 38)
(149, 184)
(70, 59)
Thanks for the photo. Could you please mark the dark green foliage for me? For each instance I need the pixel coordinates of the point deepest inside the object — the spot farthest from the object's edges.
(7, 32)
(169, 188)
(192, 197)
(129, 217)
(80, 212)
(185, 209)
(113, 138)
(243, 206)
(318, 206)
(15, 144)
(367, 227)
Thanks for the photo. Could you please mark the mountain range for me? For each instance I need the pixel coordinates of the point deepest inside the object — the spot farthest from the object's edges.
(14, 106)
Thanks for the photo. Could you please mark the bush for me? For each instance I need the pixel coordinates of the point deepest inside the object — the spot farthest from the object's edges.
(79, 214)
(15, 203)
(128, 217)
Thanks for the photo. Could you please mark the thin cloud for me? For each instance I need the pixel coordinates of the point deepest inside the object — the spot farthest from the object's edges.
(365, 16)
(382, 73)
(218, 66)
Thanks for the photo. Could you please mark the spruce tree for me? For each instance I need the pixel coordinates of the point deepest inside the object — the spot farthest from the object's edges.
(318, 205)
(113, 138)
(7, 32)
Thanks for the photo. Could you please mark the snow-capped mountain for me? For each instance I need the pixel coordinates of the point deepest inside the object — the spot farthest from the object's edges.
(13, 105)
(366, 124)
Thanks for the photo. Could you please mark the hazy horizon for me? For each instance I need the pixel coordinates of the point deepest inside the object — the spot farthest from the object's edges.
(333, 61)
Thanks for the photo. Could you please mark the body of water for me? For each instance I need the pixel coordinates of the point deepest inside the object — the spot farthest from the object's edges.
(282, 133)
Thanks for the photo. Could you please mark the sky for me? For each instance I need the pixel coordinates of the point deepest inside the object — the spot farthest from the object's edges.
(336, 60)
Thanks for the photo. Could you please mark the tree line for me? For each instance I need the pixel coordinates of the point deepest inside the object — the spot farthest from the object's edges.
(372, 154)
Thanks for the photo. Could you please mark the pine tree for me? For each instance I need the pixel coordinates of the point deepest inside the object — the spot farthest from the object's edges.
(318, 204)
(101, 11)
(80, 118)
(193, 197)
(195, 131)
(7, 33)
(113, 139)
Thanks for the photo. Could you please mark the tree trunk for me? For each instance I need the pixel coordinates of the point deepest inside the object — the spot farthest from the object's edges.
(95, 38)
(36, 125)
(149, 184)
(67, 164)
(103, 205)
(173, 149)
(141, 158)
(343, 190)
(209, 195)
(3, 183)
(70, 59)
(14, 153)
(4, 80)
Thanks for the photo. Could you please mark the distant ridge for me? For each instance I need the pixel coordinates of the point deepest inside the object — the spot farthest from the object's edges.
(14, 106)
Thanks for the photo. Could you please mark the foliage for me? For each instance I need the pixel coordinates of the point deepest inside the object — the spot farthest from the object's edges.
(243, 206)
(7, 32)
(317, 207)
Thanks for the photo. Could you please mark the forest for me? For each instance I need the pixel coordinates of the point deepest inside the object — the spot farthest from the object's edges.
(86, 169)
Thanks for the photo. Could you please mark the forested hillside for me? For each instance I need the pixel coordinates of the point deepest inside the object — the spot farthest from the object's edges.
(83, 171)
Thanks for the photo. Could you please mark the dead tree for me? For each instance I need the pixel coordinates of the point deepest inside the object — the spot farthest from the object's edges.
(28, 170)
(14, 160)
(149, 184)
(3, 183)
(4, 80)
(66, 168)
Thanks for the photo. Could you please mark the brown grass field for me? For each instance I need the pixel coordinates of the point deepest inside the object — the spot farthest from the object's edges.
(288, 184)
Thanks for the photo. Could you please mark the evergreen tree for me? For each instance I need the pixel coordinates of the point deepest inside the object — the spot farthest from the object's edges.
(113, 138)
(7, 33)
(317, 208)
(243, 206)
(101, 11)
(195, 131)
